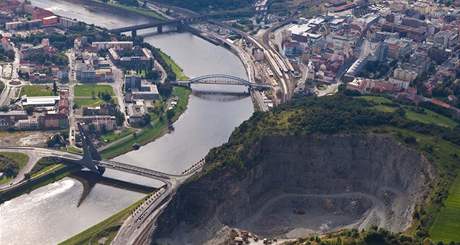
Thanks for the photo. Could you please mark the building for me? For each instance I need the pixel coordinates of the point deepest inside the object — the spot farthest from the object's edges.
(114, 44)
(133, 59)
(53, 121)
(50, 20)
(67, 23)
(446, 39)
(101, 123)
(132, 82)
(64, 105)
(40, 101)
(23, 25)
(8, 119)
(85, 73)
(398, 48)
(30, 123)
(148, 91)
(136, 114)
(104, 109)
(364, 86)
(404, 74)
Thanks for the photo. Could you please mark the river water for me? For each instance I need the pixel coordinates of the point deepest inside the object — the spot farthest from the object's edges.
(50, 214)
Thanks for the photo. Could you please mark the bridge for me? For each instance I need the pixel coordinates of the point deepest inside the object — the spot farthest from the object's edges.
(179, 23)
(222, 79)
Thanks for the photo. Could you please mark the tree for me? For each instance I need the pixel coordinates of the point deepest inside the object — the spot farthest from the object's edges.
(55, 90)
(119, 117)
(27, 176)
(105, 96)
(165, 89)
(147, 119)
(30, 110)
(170, 115)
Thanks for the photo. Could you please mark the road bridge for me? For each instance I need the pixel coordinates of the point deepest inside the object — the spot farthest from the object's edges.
(223, 79)
(159, 25)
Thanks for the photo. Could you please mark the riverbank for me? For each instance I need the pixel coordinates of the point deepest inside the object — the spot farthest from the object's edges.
(137, 10)
(37, 181)
(105, 230)
(158, 127)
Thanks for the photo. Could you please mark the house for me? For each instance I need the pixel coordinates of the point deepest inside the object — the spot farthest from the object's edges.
(113, 44)
(85, 73)
(102, 123)
(147, 91)
(136, 114)
(53, 121)
(8, 119)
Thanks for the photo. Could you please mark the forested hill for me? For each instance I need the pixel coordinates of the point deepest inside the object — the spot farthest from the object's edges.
(205, 5)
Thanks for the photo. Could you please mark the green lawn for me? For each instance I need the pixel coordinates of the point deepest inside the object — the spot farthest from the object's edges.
(89, 102)
(385, 108)
(47, 169)
(36, 90)
(412, 113)
(430, 117)
(107, 228)
(90, 90)
(18, 159)
(376, 99)
(137, 10)
(446, 226)
(175, 68)
(73, 149)
(116, 135)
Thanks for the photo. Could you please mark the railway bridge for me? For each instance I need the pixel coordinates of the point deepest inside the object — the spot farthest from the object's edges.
(223, 79)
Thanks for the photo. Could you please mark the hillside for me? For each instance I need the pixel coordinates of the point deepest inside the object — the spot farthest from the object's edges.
(318, 165)
(207, 5)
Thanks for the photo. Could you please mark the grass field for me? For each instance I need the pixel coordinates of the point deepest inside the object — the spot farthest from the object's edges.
(175, 68)
(420, 115)
(446, 226)
(90, 90)
(445, 155)
(137, 10)
(18, 159)
(36, 90)
(107, 228)
(116, 135)
(81, 102)
(430, 117)
(376, 99)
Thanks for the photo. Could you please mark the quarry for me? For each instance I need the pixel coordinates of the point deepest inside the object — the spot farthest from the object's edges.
(296, 186)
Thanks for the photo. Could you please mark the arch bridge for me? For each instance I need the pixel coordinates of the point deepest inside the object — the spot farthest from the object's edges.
(223, 79)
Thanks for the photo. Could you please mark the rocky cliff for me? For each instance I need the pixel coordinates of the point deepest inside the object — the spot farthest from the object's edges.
(292, 186)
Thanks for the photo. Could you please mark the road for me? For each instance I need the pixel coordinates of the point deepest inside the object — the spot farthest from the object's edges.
(117, 85)
(33, 159)
(11, 91)
(134, 227)
(72, 83)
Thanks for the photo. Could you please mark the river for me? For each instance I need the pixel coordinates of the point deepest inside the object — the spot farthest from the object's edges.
(50, 214)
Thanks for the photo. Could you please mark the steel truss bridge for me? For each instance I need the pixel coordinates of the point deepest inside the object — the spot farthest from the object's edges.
(222, 79)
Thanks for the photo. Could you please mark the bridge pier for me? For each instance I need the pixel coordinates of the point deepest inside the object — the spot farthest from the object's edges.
(180, 27)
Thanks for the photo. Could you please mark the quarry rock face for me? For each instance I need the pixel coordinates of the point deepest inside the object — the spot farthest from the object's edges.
(294, 186)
